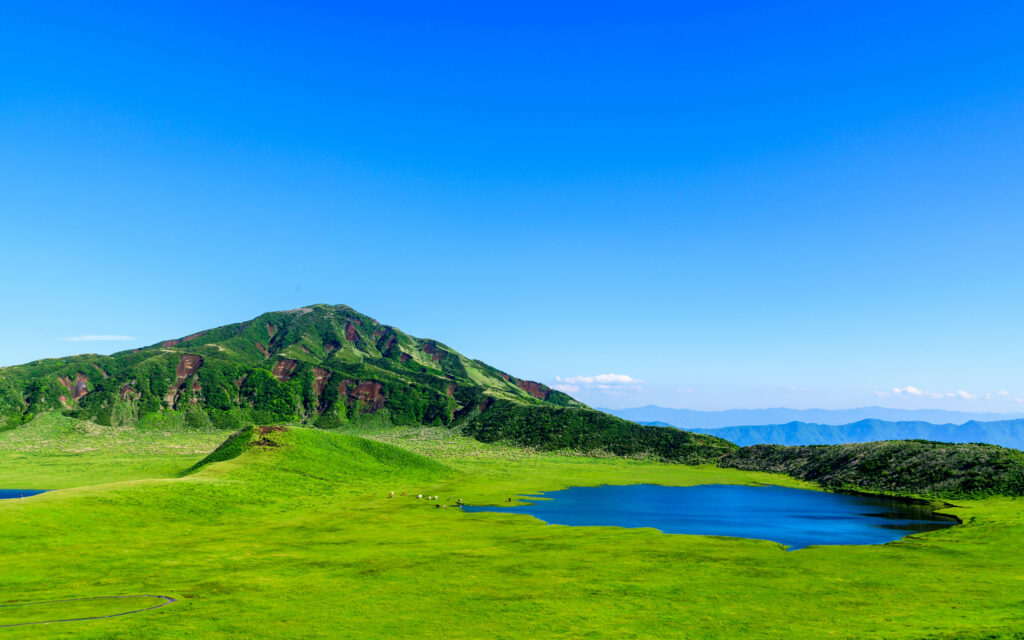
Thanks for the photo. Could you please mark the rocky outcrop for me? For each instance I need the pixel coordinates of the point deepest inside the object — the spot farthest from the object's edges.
(188, 364)
(535, 389)
(284, 369)
(77, 387)
(368, 392)
(263, 350)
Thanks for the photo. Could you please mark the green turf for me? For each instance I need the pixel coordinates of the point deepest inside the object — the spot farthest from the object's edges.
(295, 538)
(71, 610)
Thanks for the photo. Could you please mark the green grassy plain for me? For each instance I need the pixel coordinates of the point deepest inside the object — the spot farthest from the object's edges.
(296, 539)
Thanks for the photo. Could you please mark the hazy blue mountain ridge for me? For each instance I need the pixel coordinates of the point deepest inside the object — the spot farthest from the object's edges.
(693, 419)
(1005, 433)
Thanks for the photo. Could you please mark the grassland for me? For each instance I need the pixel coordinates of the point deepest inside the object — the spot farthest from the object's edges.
(295, 539)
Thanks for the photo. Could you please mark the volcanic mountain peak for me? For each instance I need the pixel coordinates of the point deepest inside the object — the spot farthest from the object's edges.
(325, 365)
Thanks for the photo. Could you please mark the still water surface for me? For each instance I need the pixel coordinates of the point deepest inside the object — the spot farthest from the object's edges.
(796, 518)
(18, 493)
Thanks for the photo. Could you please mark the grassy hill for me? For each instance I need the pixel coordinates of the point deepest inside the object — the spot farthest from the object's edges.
(908, 467)
(327, 366)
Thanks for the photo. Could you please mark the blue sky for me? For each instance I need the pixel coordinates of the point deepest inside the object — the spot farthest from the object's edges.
(711, 205)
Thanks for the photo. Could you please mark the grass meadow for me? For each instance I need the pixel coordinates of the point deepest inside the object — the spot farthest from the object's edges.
(295, 538)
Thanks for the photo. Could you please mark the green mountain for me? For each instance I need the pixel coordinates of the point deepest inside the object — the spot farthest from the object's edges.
(328, 366)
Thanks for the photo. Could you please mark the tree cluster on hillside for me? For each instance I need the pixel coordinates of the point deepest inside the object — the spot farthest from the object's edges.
(905, 467)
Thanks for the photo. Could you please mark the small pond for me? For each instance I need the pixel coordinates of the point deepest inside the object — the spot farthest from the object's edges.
(796, 518)
(6, 494)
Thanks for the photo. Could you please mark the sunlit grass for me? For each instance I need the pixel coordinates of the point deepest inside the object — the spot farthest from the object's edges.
(298, 540)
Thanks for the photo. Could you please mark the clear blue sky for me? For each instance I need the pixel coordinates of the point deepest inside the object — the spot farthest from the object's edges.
(810, 204)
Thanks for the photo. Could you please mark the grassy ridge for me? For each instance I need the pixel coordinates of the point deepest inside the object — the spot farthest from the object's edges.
(908, 467)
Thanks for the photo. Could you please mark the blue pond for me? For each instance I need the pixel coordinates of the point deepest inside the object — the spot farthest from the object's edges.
(6, 494)
(796, 518)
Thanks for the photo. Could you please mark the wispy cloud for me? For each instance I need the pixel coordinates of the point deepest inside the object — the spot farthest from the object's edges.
(612, 383)
(99, 338)
(959, 394)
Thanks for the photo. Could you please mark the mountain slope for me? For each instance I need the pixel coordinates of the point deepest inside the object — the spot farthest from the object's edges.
(328, 366)
(693, 419)
(1005, 433)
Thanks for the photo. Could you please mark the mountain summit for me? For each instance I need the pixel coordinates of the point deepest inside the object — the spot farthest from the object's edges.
(329, 366)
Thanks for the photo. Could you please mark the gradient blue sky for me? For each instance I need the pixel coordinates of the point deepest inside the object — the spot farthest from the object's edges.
(736, 205)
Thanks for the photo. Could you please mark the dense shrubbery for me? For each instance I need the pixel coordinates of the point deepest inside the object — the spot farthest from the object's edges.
(907, 467)
(587, 430)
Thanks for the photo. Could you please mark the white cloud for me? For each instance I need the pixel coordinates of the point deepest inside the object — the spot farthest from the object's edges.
(959, 394)
(603, 378)
(98, 338)
(610, 383)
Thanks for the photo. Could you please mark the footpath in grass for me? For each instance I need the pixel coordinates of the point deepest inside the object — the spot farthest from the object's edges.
(295, 538)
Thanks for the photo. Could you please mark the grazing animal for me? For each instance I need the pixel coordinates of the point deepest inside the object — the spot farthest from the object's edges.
(419, 497)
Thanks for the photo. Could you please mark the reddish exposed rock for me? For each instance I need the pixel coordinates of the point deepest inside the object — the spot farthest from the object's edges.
(369, 392)
(485, 403)
(128, 392)
(64, 401)
(451, 389)
(305, 349)
(241, 380)
(377, 333)
(77, 387)
(193, 336)
(331, 346)
(320, 379)
(535, 389)
(197, 390)
(271, 330)
(102, 372)
(187, 365)
(436, 353)
(81, 386)
(169, 343)
(263, 350)
(284, 369)
(405, 357)
(350, 332)
(390, 343)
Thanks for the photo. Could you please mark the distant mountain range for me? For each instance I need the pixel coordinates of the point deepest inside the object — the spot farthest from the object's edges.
(1006, 433)
(691, 419)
